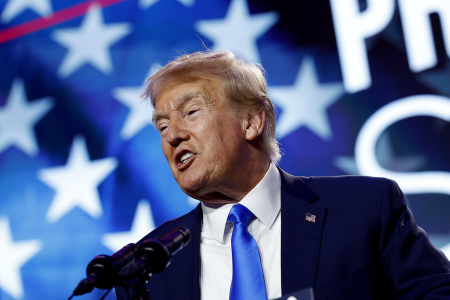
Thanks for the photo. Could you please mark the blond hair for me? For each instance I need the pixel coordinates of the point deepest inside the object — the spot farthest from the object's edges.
(243, 83)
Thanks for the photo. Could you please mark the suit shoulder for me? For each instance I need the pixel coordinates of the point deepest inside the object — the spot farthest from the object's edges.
(349, 181)
(341, 180)
(354, 189)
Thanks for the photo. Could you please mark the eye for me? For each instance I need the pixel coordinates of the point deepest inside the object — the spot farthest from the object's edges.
(162, 126)
(193, 110)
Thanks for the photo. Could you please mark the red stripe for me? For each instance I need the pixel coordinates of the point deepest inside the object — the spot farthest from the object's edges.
(54, 19)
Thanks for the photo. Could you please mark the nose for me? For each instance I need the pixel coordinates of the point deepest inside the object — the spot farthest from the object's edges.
(176, 132)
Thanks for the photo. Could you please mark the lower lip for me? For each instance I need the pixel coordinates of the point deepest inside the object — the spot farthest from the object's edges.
(186, 164)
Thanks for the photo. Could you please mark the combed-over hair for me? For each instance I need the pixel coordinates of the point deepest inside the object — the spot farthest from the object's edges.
(243, 83)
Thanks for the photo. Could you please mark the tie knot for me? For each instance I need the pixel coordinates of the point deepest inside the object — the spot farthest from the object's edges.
(240, 214)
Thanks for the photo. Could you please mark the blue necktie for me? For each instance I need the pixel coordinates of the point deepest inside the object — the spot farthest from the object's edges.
(248, 278)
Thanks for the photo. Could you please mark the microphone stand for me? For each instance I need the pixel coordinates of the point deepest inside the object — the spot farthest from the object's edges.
(138, 284)
(141, 288)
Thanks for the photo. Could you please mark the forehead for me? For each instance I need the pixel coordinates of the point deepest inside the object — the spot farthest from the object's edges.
(177, 91)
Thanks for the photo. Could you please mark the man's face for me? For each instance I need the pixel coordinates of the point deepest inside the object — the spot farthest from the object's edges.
(203, 142)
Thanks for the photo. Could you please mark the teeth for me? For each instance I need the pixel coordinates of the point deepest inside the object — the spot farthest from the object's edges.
(185, 157)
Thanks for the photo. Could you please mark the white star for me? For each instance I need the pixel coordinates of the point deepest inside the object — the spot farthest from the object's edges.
(76, 183)
(140, 114)
(18, 117)
(239, 30)
(144, 4)
(187, 3)
(90, 43)
(13, 255)
(305, 103)
(15, 7)
(142, 224)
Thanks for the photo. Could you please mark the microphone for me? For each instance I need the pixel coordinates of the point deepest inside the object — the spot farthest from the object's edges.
(155, 255)
(103, 271)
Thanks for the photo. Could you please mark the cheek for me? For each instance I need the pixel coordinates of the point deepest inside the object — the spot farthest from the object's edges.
(213, 138)
(205, 133)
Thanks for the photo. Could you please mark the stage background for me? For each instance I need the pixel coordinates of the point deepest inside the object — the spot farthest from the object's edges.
(360, 88)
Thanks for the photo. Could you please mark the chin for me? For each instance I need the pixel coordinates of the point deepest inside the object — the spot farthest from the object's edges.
(190, 186)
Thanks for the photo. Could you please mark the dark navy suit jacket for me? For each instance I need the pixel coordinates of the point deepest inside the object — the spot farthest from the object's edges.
(364, 244)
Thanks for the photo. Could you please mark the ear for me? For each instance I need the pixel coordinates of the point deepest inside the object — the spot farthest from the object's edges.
(254, 124)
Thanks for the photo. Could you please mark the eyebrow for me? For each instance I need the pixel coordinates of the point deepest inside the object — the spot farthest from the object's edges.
(177, 104)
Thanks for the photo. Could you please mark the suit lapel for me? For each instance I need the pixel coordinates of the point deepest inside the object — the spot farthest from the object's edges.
(300, 239)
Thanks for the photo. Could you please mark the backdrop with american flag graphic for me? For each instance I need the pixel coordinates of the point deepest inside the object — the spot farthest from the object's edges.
(81, 169)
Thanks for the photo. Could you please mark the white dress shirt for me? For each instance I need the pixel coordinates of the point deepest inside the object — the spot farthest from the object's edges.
(216, 271)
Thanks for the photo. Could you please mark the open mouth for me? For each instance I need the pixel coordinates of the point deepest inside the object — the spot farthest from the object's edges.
(182, 159)
(185, 157)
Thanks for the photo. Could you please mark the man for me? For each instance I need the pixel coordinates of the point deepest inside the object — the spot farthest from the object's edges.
(348, 237)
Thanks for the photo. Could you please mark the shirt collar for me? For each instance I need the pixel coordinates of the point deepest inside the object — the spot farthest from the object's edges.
(264, 201)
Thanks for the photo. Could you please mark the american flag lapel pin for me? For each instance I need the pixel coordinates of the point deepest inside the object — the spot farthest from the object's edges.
(310, 218)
